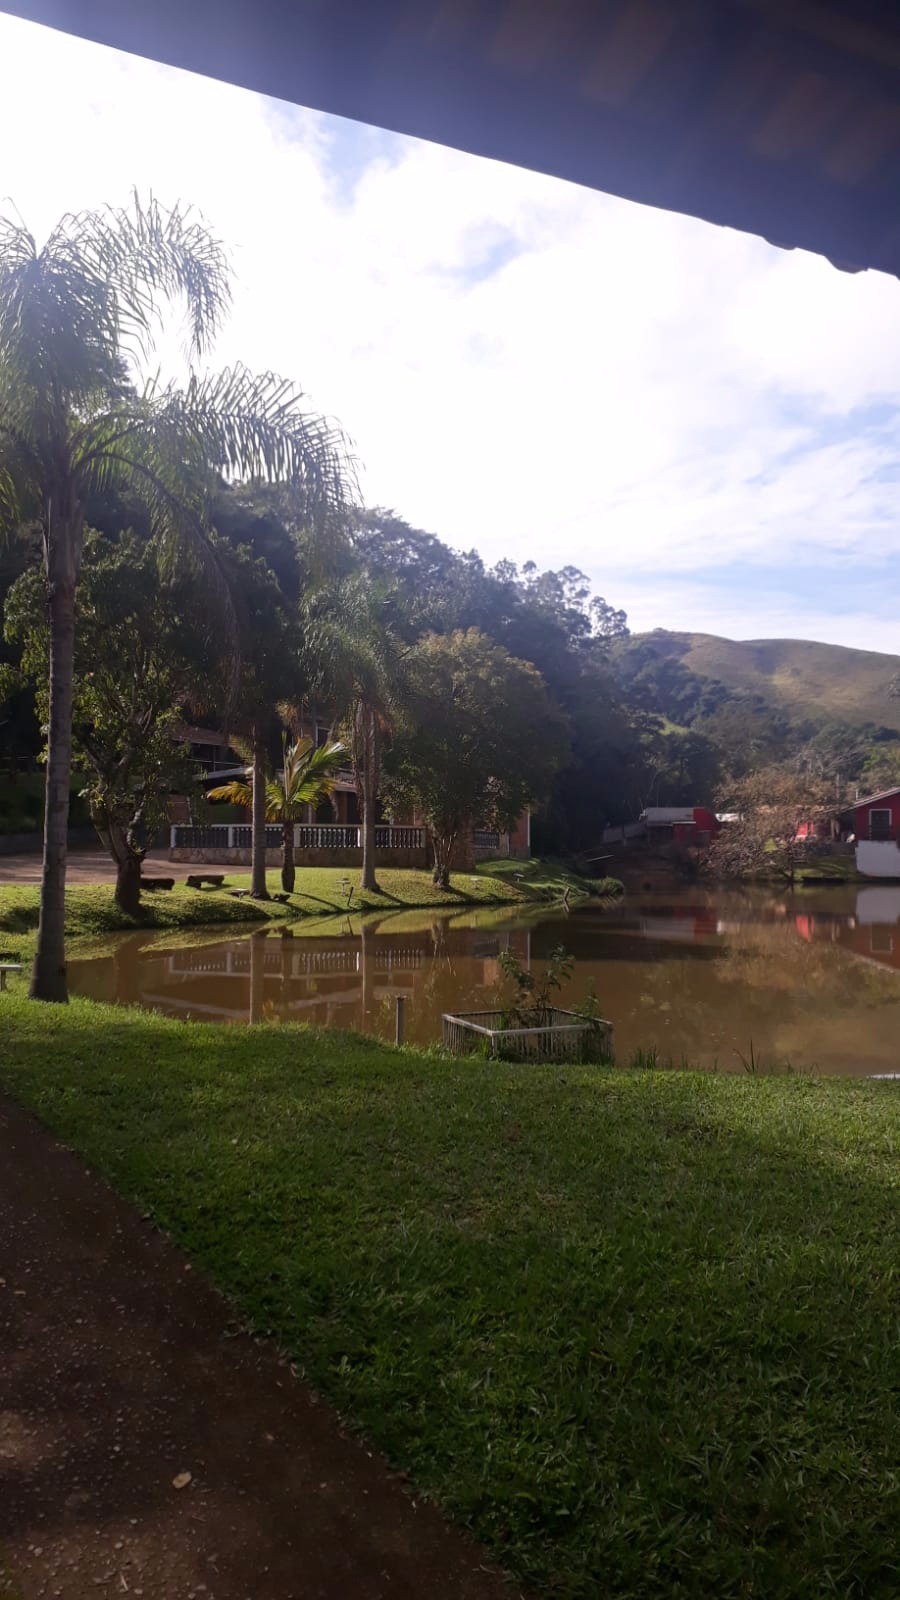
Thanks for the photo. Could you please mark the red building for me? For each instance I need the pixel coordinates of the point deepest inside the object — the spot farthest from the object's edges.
(875, 820)
(878, 816)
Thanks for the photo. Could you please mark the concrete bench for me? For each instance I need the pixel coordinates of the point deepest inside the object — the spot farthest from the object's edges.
(8, 966)
(152, 884)
(196, 880)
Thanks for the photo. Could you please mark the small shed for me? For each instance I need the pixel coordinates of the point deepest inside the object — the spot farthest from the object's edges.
(688, 826)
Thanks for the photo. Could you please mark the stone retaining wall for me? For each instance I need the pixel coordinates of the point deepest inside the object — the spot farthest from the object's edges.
(350, 859)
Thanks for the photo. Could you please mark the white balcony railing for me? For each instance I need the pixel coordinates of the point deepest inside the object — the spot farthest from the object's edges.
(307, 836)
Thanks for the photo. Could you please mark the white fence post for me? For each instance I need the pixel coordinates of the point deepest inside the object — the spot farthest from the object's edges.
(172, 837)
(230, 836)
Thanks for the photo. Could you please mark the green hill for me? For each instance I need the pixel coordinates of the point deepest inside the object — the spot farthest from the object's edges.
(805, 678)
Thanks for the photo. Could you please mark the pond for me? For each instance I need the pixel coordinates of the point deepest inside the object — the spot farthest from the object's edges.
(714, 978)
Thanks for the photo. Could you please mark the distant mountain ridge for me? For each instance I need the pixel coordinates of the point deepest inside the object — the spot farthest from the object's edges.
(805, 678)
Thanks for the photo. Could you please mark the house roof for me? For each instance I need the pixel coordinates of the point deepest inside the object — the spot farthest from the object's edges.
(782, 119)
(191, 735)
(662, 816)
(869, 799)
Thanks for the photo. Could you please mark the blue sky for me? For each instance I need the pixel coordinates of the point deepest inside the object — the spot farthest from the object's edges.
(708, 426)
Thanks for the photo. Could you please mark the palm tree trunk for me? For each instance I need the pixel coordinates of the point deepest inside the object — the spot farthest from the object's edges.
(48, 976)
(287, 857)
(368, 792)
(258, 821)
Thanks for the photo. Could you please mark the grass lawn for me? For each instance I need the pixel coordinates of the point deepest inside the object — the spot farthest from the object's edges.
(829, 869)
(92, 912)
(638, 1329)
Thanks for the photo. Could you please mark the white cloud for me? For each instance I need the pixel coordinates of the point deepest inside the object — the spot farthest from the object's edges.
(630, 391)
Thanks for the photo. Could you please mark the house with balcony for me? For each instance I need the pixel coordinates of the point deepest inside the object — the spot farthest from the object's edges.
(875, 823)
(330, 834)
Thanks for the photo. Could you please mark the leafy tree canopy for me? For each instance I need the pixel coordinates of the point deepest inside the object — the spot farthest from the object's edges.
(482, 743)
(145, 652)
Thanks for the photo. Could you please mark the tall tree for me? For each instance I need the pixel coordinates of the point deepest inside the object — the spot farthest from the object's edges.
(305, 778)
(73, 312)
(269, 671)
(482, 743)
(279, 554)
(355, 654)
(145, 649)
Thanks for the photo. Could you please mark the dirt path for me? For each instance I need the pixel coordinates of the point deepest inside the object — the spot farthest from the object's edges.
(121, 1371)
(95, 866)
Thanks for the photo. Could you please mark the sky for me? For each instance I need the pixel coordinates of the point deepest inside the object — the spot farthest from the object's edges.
(707, 426)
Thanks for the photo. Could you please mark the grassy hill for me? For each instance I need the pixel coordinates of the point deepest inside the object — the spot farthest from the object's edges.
(806, 678)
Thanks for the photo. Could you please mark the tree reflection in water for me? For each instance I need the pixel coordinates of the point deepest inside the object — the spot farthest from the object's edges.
(812, 978)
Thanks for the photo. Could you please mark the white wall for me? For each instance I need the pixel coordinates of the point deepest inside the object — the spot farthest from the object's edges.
(878, 858)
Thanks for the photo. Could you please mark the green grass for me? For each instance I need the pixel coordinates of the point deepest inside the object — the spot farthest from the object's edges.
(91, 913)
(639, 1330)
(830, 869)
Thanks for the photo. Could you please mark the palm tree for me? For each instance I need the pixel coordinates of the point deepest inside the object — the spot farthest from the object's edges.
(355, 656)
(307, 777)
(76, 316)
(268, 643)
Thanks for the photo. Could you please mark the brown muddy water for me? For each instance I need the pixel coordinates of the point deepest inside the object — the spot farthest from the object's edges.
(729, 979)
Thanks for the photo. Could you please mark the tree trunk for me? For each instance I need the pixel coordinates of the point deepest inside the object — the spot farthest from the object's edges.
(48, 976)
(128, 861)
(367, 775)
(258, 829)
(128, 883)
(287, 858)
(443, 855)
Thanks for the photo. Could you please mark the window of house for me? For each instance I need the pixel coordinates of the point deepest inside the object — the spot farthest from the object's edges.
(880, 823)
(881, 941)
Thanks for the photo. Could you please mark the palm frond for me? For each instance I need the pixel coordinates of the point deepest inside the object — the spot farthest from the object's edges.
(144, 256)
(120, 448)
(307, 776)
(235, 792)
(19, 480)
(95, 290)
(10, 513)
(256, 426)
(352, 649)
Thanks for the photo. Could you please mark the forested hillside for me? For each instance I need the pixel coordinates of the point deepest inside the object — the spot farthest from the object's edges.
(805, 678)
(649, 719)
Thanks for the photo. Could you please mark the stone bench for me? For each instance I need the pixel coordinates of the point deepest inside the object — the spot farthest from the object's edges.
(153, 884)
(8, 966)
(196, 880)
